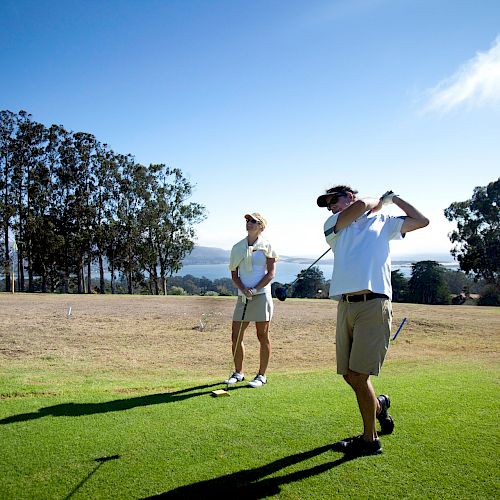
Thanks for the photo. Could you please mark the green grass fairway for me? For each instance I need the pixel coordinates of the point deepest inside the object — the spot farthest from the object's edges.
(95, 442)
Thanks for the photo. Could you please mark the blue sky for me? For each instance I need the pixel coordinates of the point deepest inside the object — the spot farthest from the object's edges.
(264, 104)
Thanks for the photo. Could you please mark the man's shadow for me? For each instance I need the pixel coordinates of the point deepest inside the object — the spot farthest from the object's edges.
(79, 409)
(249, 484)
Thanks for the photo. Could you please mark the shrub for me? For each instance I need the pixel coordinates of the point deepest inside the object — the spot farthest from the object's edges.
(211, 293)
(427, 284)
(177, 290)
(490, 296)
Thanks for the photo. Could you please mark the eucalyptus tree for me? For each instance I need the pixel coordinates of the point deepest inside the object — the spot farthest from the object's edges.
(148, 256)
(148, 220)
(48, 242)
(133, 196)
(105, 202)
(31, 185)
(399, 286)
(427, 284)
(65, 207)
(175, 233)
(8, 127)
(477, 237)
(309, 283)
(85, 169)
(46, 248)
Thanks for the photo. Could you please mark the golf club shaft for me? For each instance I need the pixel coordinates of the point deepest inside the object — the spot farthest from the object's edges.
(304, 270)
(238, 338)
(399, 329)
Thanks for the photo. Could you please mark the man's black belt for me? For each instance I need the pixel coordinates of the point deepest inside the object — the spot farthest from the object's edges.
(363, 297)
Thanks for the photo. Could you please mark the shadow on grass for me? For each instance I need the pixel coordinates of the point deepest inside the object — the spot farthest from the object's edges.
(99, 461)
(250, 484)
(79, 409)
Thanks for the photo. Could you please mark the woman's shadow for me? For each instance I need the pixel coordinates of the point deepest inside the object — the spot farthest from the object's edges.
(79, 409)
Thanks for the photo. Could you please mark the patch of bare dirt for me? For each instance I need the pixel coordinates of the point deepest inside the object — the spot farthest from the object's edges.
(146, 333)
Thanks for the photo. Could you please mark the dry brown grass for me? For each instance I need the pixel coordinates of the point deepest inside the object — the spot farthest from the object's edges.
(163, 333)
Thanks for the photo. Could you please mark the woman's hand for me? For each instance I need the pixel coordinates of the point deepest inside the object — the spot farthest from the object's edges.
(249, 292)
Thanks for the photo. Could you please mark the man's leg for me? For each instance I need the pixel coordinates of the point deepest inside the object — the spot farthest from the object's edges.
(265, 345)
(367, 402)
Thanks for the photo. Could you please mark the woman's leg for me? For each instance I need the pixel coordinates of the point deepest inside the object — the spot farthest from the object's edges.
(265, 344)
(238, 347)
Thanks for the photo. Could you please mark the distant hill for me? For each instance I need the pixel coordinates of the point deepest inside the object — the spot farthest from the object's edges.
(207, 255)
(213, 255)
(438, 257)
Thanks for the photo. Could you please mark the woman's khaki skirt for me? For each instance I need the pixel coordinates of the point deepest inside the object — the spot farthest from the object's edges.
(260, 308)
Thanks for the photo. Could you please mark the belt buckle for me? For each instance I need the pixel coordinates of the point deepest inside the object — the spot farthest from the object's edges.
(364, 295)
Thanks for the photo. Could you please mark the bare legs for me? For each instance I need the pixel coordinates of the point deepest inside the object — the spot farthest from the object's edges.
(265, 345)
(239, 348)
(367, 402)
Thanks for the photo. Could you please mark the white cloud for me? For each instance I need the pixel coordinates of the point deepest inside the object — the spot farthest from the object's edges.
(476, 83)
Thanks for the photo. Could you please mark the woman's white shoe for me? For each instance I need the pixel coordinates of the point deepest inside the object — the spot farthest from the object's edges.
(258, 381)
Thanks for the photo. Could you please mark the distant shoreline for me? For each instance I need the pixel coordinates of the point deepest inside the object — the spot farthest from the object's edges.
(286, 271)
(213, 256)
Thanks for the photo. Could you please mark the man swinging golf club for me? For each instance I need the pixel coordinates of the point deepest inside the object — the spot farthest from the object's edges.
(252, 265)
(361, 282)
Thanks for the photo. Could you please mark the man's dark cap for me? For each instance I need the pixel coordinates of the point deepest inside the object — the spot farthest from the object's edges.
(329, 193)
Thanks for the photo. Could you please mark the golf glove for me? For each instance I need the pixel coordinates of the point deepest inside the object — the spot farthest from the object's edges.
(244, 298)
(387, 197)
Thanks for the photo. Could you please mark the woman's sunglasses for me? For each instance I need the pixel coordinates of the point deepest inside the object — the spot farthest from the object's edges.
(253, 221)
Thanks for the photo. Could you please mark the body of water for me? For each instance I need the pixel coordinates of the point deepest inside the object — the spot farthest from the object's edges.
(286, 272)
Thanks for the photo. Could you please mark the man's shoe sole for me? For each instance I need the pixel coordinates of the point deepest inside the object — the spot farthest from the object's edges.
(386, 421)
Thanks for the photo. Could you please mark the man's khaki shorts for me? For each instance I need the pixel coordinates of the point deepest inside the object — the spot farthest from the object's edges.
(363, 335)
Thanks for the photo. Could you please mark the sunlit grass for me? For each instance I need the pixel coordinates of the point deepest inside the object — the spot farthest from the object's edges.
(99, 441)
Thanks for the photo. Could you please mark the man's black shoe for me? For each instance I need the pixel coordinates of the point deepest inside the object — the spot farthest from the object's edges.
(358, 447)
(385, 420)
(341, 445)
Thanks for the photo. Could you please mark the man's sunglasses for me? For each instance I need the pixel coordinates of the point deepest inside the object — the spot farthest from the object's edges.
(335, 197)
(253, 221)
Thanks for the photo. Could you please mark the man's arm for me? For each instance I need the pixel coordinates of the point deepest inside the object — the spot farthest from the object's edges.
(357, 209)
(414, 219)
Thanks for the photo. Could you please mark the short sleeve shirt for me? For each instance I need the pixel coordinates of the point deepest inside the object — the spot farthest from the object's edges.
(362, 253)
(259, 270)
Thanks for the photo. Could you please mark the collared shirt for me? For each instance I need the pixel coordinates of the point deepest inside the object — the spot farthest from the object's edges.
(361, 251)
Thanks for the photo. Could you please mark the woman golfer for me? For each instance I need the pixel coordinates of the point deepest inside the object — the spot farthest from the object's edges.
(252, 265)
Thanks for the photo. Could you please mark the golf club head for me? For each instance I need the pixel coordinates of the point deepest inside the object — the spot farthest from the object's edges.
(281, 293)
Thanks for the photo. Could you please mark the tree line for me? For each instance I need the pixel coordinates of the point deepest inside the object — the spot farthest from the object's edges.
(429, 283)
(69, 202)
